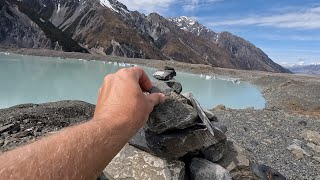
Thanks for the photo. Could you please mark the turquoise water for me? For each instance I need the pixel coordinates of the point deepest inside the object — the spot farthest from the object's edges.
(31, 79)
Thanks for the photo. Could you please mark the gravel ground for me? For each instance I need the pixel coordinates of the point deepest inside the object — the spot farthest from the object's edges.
(266, 136)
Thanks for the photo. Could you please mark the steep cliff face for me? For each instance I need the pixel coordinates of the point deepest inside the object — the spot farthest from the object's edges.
(24, 27)
(248, 55)
(19, 30)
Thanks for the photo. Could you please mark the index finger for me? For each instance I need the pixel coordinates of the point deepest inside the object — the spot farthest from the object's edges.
(142, 78)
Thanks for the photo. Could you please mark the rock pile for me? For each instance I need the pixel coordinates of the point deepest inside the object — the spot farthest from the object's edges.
(182, 140)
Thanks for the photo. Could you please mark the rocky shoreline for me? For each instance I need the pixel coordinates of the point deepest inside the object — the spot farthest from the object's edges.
(280, 136)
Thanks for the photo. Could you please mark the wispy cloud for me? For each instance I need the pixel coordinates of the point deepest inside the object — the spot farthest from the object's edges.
(161, 6)
(191, 5)
(307, 19)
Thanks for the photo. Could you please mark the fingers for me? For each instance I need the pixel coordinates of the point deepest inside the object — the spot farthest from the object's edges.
(156, 98)
(143, 79)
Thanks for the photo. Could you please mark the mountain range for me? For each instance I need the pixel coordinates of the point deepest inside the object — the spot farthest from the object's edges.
(107, 27)
(312, 69)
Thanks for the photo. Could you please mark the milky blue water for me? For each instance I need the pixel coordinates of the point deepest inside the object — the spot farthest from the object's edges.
(31, 79)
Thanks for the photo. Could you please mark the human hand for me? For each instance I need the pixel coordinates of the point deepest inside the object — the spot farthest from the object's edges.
(122, 98)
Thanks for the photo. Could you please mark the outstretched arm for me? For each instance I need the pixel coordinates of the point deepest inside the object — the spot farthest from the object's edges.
(83, 151)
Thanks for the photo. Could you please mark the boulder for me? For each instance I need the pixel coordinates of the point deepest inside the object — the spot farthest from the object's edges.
(175, 86)
(202, 169)
(266, 172)
(236, 162)
(132, 163)
(160, 87)
(170, 69)
(215, 152)
(174, 113)
(311, 136)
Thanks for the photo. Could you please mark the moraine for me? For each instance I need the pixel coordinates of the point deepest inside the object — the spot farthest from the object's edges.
(32, 79)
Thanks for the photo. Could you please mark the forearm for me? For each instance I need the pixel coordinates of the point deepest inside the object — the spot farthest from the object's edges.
(79, 152)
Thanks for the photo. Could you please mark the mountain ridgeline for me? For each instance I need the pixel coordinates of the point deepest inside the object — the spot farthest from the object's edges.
(107, 27)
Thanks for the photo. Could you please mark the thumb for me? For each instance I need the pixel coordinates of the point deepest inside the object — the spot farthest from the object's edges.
(156, 98)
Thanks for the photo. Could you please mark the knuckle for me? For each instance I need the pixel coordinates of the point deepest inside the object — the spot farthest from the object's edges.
(108, 78)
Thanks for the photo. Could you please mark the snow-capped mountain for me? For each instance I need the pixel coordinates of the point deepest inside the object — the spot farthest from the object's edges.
(312, 69)
(245, 52)
(107, 27)
(188, 24)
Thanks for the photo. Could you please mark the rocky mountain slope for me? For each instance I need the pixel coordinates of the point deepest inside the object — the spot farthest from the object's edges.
(22, 27)
(107, 27)
(313, 69)
(247, 55)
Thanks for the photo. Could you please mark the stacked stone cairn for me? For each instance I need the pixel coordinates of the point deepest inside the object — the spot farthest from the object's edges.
(181, 140)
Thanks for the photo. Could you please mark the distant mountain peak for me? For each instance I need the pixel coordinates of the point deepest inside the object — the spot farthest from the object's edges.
(115, 6)
(188, 24)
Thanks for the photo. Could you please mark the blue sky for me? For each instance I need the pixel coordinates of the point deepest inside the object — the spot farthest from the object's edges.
(287, 30)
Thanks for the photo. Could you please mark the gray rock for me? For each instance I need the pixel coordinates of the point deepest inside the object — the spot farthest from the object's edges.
(311, 136)
(314, 147)
(175, 86)
(265, 172)
(202, 169)
(297, 150)
(317, 178)
(139, 141)
(132, 163)
(176, 144)
(210, 115)
(215, 152)
(174, 113)
(237, 162)
(14, 127)
(160, 87)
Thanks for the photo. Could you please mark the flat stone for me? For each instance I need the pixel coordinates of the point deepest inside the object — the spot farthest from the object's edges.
(314, 147)
(266, 172)
(176, 144)
(215, 152)
(160, 87)
(201, 169)
(311, 136)
(164, 75)
(175, 86)
(296, 149)
(237, 162)
(132, 163)
(174, 113)
(210, 115)
(14, 127)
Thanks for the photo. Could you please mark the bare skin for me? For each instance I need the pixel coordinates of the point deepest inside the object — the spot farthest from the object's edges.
(83, 151)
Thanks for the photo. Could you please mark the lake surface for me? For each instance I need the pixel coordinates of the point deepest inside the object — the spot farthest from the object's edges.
(31, 79)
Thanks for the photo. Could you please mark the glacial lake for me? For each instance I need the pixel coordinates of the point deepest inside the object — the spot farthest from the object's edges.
(32, 79)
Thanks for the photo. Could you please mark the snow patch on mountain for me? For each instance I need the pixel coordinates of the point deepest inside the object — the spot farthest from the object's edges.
(106, 3)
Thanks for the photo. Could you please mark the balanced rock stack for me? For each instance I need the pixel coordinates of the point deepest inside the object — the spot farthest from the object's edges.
(180, 130)
(181, 140)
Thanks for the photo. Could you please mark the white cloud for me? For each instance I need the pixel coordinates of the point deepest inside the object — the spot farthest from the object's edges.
(161, 6)
(308, 19)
